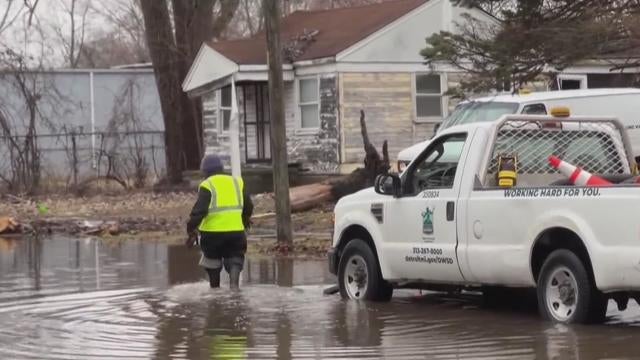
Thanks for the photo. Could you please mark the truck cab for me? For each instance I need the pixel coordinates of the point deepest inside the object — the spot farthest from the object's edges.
(445, 223)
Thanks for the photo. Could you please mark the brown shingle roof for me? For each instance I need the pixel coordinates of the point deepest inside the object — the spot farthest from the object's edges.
(337, 29)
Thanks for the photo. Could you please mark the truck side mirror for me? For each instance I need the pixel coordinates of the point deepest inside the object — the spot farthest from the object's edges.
(388, 184)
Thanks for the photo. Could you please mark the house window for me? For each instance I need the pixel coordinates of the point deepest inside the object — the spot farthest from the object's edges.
(309, 101)
(572, 82)
(428, 96)
(224, 118)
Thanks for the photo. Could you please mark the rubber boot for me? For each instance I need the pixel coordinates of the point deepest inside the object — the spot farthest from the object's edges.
(214, 278)
(234, 277)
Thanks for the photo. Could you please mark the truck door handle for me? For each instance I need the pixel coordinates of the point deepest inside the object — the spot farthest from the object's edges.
(450, 210)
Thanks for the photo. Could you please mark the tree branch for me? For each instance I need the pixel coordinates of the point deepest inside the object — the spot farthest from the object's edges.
(6, 21)
(225, 15)
(31, 7)
(82, 37)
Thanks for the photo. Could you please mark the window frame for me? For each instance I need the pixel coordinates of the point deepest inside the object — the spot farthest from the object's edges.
(409, 173)
(584, 84)
(546, 111)
(221, 110)
(300, 104)
(443, 98)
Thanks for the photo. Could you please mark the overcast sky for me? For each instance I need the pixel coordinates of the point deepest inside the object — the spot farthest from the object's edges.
(50, 27)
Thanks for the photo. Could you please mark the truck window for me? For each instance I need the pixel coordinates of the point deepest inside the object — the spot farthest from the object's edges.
(436, 167)
(594, 151)
(535, 109)
(478, 111)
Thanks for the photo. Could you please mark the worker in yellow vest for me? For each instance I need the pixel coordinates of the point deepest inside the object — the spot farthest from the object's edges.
(220, 216)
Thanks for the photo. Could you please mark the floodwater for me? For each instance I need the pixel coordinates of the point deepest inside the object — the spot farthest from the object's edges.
(75, 298)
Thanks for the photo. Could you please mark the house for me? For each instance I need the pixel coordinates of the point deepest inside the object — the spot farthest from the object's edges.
(337, 62)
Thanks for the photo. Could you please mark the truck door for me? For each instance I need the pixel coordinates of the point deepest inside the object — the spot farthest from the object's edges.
(420, 235)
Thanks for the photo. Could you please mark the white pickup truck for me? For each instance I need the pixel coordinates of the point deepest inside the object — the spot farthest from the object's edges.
(446, 224)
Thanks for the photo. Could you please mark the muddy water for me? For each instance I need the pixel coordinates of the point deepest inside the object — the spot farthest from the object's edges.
(64, 299)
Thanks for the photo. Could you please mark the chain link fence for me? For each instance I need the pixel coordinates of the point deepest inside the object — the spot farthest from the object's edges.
(71, 159)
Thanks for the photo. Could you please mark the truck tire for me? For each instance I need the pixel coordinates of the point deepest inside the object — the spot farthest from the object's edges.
(359, 276)
(566, 293)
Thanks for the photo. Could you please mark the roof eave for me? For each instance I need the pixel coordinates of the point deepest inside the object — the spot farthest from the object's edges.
(317, 61)
(190, 83)
(245, 73)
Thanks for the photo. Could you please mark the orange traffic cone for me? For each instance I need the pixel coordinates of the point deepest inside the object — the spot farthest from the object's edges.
(576, 175)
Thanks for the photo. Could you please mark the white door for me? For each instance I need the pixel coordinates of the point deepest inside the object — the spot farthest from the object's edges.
(420, 235)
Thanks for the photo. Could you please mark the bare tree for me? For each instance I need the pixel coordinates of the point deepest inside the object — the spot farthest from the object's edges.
(124, 42)
(31, 6)
(172, 55)
(127, 135)
(72, 39)
(248, 20)
(193, 26)
(69, 139)
(21, 117)
(253, 19)
(162, 51)
(10, 13)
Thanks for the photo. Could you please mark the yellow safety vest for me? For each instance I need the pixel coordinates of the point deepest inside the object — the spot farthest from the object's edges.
(225, 208)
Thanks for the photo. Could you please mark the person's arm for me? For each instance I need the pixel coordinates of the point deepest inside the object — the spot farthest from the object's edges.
(247, 209)
(199, 211)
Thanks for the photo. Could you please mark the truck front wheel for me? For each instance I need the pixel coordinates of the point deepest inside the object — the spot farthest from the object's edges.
(359, 275)
(566, 293)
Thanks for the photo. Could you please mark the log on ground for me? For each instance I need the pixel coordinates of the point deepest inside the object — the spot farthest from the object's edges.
(309, 196)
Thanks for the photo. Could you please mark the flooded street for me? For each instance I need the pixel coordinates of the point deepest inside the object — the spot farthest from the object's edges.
(74, 298)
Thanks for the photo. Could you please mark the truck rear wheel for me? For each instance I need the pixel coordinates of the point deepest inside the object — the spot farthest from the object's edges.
(566, 293)
(359, 276)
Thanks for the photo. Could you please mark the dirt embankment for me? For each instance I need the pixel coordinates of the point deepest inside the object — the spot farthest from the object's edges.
(159, 217)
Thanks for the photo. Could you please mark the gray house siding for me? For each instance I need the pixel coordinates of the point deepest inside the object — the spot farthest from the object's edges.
(316, 150)
(319, 150)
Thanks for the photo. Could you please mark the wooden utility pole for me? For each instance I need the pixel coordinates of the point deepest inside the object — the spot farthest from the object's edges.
(271, 10)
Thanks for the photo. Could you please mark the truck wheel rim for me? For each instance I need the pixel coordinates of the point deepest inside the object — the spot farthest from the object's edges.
(562, 294)
(356, 276)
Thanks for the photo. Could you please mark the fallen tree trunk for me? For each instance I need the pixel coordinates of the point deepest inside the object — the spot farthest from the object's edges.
(309, 196)
(9, 225)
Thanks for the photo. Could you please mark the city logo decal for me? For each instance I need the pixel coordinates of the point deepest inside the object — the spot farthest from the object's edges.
(427, 221)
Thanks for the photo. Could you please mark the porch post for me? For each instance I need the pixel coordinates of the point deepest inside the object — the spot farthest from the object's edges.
(234, 132)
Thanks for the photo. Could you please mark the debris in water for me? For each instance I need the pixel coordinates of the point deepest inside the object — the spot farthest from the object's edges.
(9, 225)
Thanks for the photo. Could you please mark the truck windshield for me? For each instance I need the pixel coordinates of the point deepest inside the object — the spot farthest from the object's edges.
(478, 111)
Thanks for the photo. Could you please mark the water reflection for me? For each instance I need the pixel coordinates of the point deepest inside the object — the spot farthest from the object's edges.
(7, 245)
(62, 299)
(199, 331)
(182, 265)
